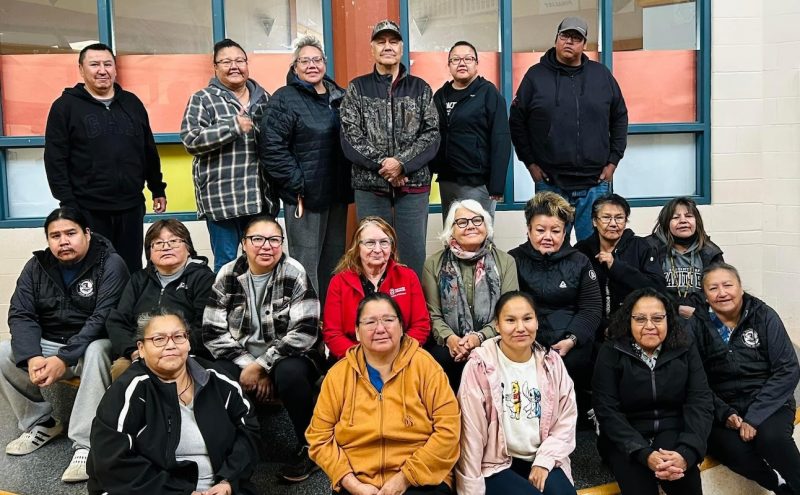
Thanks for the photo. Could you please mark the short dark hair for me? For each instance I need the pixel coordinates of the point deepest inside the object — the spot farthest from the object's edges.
(97, 47)
(143, 320)
(665, 216)
(463, 43)
(611, 199)
(721, 265)
(619, 329)
(66, 213)
(498, 307)
(549, 204)
(227, 43)
(380, 296)
(175, 227)
(261, 218)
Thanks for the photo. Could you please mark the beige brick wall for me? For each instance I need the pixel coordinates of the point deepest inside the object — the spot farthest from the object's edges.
(755, 164)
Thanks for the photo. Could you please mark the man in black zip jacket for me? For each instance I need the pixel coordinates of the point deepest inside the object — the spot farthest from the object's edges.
(476, 144)
(99, 151)
(569, 123)
(57, 322)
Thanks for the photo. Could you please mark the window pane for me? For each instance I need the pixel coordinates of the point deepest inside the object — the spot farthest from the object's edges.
(535, 25)
(29, 194)
(655, 165)
(267, 28)
(658, 165)
(435, 26)
(157, 27)
(655, 59)
(40, 38)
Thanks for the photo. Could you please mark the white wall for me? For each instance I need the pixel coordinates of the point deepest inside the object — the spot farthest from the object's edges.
(755, 164)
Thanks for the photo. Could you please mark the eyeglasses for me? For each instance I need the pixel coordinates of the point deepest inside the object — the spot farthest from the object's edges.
(258, 241)
(161, 340)
(372, 323)
(469, 60)
(168, 244)
(576, 37)
(226, 63)
(384, 243)
(306, 61)
(463, 222)
(642, 320)
(607, 220)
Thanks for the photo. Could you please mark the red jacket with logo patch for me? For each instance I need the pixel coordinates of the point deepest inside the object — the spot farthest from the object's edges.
(345, 292)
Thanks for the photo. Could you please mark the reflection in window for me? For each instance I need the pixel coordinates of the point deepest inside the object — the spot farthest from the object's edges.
(272, 25)
(536, 22)
(158, 27)
(435, 26)
(28, 26)
(28, 191)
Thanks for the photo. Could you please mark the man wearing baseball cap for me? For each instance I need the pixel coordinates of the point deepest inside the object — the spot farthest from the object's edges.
(569, 123)
(390, 131)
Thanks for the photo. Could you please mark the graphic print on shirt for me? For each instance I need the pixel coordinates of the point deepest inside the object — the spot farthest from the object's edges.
(683, 277)
(513, 401)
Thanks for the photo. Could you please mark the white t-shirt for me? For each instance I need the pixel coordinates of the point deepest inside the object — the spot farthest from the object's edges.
(192, 447)
(522, 406)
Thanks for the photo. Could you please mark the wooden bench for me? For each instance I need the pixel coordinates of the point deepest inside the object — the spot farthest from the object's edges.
(613, 488)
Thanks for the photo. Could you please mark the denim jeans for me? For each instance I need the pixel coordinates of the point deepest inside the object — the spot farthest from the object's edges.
(225, 236)
(408, 214)
(515, 480)
(582, 201)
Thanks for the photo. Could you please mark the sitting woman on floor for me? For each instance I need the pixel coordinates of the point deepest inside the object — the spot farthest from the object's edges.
(651, 399)
(386, 420)
(175, 277)
(518, 410)
(753, 371)
(171, 426)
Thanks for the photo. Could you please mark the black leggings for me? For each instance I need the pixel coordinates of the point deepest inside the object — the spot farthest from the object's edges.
(294, 379)
(453, 370)
(773, 449)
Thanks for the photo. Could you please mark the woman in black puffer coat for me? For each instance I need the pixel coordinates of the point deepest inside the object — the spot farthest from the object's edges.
(300, 151)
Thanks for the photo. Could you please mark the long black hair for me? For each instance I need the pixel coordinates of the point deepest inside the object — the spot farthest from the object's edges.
(67, 213)
(619, 329)
(380, 296)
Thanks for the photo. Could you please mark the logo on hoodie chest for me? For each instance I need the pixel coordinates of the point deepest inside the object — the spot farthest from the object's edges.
(750, 338)
(86, 288)
(397, 291)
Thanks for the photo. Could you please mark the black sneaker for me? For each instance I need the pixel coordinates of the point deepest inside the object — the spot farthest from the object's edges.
(300, 468)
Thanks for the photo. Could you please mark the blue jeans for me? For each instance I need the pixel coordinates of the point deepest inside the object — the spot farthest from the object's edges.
(582, 201)
(408, 214)
(225, 236)
(515, 480)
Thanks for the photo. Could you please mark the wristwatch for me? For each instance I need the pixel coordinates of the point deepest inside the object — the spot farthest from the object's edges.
(573, 338)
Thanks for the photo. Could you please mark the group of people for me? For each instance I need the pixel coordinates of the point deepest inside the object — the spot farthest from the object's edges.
(470, 370)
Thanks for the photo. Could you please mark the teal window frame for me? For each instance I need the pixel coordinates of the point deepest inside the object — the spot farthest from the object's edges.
(701, 128)
(105, 25)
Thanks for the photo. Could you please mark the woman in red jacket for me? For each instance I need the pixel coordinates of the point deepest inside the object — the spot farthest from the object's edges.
(371, 265)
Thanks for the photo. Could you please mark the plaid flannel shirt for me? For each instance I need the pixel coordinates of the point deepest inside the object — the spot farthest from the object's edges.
(290, 314)
(228, 180)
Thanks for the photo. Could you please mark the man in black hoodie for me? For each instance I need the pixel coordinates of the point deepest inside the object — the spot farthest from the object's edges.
(569, 123)
(98, 152)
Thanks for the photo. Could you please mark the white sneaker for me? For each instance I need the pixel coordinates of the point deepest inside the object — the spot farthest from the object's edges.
(33, 439)
(76, 471)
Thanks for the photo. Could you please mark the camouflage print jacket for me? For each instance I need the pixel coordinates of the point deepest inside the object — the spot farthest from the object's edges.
(381, 119)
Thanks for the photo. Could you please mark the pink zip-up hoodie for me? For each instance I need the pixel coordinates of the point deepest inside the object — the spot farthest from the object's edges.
(483, 442)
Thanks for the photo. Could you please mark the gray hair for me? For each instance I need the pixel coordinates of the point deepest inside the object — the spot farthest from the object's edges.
(474, 207)
(304, 41)
(144, 319)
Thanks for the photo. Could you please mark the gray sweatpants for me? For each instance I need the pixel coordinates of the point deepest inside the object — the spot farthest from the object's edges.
(26, 399)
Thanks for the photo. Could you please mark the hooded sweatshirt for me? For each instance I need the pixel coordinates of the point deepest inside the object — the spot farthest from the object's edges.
(413, 425)
(99, 157)
(571, 121)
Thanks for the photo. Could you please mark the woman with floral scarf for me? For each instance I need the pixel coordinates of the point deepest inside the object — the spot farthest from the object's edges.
(462, 284)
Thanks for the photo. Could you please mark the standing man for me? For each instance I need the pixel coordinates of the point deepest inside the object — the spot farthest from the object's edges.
(390, 133)
(99, 151)
(569, 123)
(476, 144)
(219, 129)
(57, 321)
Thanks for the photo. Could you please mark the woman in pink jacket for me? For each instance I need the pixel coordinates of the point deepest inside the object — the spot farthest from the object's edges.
(518, 411)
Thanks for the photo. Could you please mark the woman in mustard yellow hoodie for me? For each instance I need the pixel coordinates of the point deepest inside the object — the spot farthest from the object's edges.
(386, 420)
